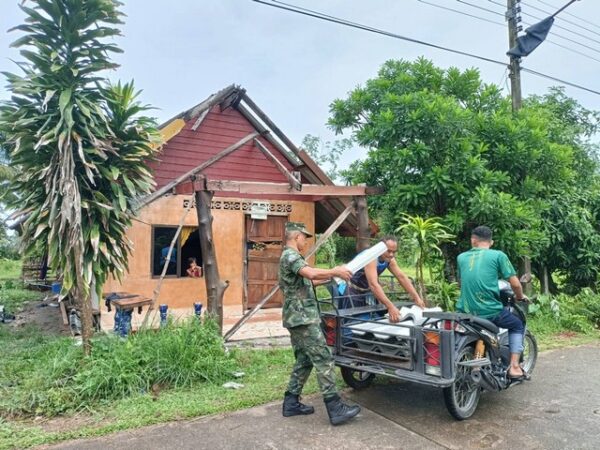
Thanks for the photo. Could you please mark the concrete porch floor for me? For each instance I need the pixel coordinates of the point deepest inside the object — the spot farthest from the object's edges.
(266, 323)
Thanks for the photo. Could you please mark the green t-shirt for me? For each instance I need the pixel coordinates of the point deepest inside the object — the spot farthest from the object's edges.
(479, 270)
(299, 302)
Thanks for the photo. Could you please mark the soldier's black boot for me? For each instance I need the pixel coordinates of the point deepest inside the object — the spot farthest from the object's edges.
(339, 412)
(293, 407)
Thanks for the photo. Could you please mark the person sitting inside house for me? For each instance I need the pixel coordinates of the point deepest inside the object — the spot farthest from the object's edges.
(364, 286)
(479, 270)
(194, 270)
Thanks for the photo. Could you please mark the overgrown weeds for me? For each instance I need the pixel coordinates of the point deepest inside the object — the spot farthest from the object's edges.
(50, 378)
(556, 314)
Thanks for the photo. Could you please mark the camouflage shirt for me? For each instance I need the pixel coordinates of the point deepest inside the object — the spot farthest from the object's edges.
(299, 304)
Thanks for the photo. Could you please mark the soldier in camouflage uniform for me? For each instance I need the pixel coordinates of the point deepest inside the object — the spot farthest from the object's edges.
(301, 317)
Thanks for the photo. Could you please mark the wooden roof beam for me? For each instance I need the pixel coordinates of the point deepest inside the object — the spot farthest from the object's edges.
(186, 176)
(250, 187)
(294, 182)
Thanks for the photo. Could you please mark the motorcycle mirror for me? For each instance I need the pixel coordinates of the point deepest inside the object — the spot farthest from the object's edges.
(525, 278)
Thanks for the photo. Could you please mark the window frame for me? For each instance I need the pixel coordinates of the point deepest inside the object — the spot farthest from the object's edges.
(153, 249)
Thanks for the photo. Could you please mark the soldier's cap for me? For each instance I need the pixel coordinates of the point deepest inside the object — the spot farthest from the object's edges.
(297, 226)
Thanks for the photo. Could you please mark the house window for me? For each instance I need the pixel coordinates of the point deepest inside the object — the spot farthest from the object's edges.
(187, 246)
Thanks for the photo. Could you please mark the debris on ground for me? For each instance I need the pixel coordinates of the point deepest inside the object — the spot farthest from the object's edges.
(233, 385)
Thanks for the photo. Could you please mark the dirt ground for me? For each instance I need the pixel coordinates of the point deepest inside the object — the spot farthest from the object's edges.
(43, 314)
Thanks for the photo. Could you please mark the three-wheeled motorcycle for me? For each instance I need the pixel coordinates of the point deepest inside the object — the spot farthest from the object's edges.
(460, 353)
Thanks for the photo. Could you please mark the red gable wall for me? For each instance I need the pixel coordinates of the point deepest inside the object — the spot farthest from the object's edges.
(219, 130)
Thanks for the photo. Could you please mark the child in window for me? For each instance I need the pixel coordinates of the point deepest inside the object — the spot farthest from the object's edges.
(194, 270)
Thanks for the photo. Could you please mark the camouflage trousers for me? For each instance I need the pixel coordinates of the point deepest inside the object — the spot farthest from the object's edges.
(311, 351)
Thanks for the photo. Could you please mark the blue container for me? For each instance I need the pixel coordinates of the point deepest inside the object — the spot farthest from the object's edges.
(125, 322)
(56, 287)
(163, 314)
(198, 309)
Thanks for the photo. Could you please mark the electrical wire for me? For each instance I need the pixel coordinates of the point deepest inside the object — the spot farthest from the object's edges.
(561, 18)
(481, 7)
(328, 18)
(556, 26)
(585, 55)
(462, 12)
(571, 15)
(550, 77)
(558, 35)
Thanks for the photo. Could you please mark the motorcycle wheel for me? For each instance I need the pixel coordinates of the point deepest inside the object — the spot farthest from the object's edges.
(530, 352)
(462, 397)
(357, 379)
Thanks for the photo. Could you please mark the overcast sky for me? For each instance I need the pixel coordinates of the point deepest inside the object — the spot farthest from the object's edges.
(180, 51)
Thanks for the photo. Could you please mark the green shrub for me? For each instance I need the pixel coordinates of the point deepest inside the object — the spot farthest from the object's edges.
(443, 294)
(579, 313)
(53, 378)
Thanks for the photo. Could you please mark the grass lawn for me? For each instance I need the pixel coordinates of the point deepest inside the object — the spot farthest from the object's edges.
(265, 380)
(10, 269)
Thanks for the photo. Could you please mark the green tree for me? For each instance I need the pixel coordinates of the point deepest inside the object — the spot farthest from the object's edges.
(445, 144)
(428, 234)
(326, 153)
(79, 144)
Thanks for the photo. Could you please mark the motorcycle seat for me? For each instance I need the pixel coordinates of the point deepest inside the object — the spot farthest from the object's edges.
(488, 325)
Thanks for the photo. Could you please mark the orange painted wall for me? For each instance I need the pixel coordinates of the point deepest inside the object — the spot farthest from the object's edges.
(228, 233)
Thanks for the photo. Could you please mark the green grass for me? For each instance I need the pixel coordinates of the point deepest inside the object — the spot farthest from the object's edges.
(10, 269)
(265, 380)
(13, 295)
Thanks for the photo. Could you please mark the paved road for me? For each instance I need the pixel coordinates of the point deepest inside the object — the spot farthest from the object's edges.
(558, 409)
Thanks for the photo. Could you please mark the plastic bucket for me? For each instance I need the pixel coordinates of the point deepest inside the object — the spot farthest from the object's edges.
(56, 287)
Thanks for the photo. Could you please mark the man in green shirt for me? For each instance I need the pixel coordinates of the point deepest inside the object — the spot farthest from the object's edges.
(479, 270)
(300, 316)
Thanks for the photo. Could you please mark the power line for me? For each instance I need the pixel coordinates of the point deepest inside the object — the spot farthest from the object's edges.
(550, 77)
(482, 8)
(556, 34)
(327, 18)
(561, 18)
(557, 26)
(572, 15)
(461, 12)
(344, 22)
(585, 55)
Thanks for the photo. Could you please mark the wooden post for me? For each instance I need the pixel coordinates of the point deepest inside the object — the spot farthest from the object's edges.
(215, 287)
(334, 226)
(363, 231)
(156, 291)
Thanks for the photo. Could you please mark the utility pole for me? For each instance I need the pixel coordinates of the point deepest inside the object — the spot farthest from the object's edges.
(513, 19)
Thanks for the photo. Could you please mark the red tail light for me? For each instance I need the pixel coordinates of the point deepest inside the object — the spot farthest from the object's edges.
(329, 324)
(432, 352)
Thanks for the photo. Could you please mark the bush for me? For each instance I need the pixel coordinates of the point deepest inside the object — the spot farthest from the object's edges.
(443, 294)
(579, 313)
(53, 378)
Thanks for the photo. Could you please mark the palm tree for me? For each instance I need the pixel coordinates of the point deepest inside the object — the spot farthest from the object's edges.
(78, 143)
(428, 234)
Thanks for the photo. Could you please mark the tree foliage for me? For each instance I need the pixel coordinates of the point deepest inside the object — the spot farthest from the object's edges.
(445, 144)
(326, 153)
(78, 143)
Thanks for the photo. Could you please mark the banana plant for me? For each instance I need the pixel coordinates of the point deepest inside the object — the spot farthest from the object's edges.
(428, 234)
(80, 145)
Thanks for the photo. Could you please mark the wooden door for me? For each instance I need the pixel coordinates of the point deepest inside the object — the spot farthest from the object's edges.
(264, 244)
